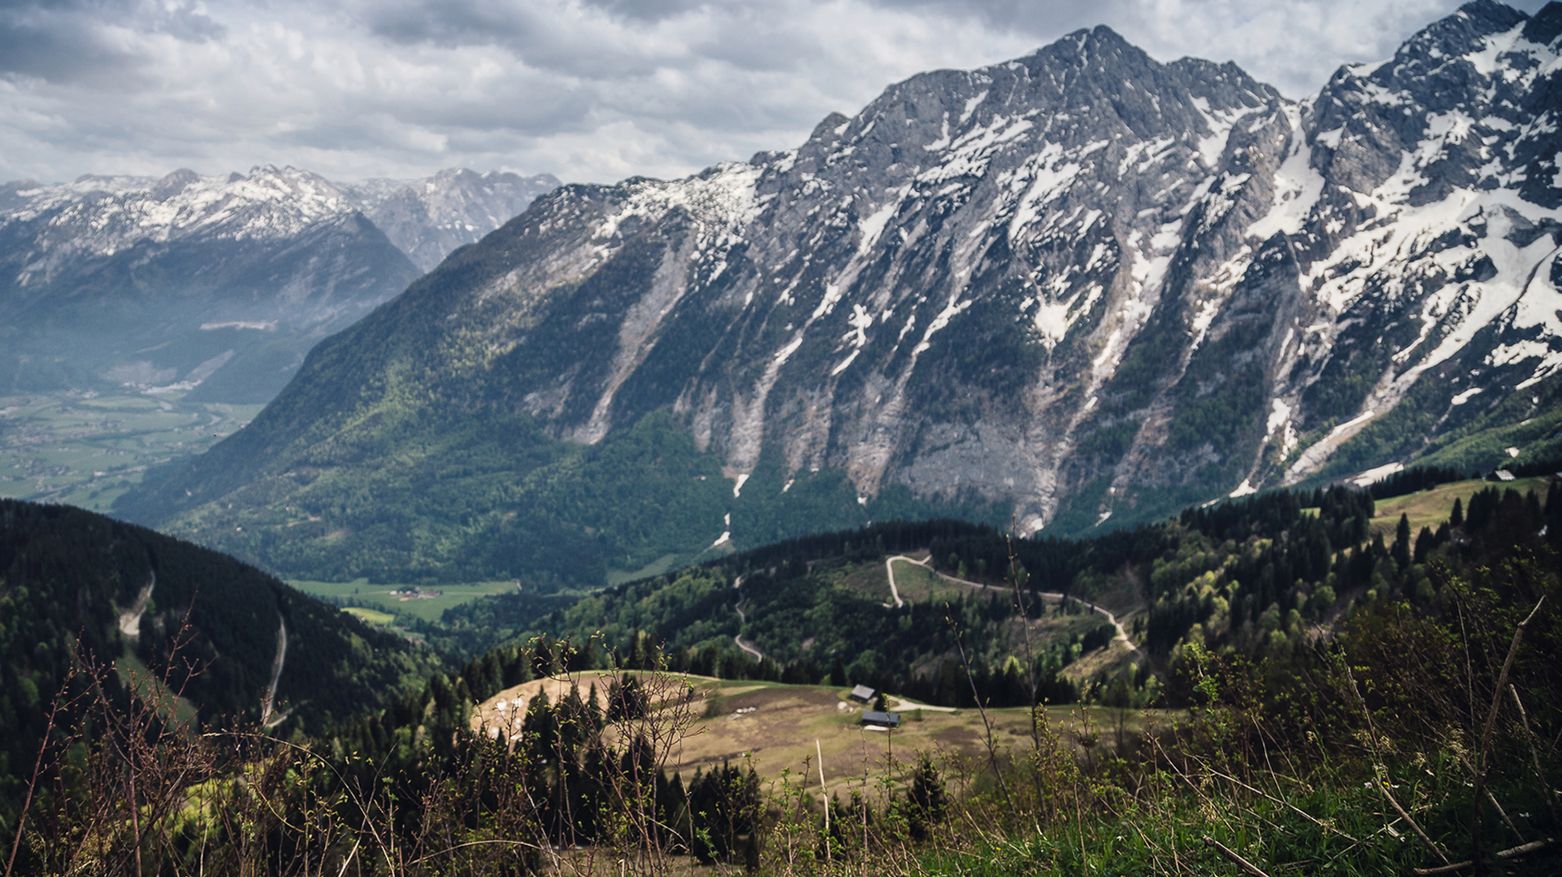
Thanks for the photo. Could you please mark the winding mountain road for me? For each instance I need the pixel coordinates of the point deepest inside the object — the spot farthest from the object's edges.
(1121, 635)
(889, 570)
(743, 620)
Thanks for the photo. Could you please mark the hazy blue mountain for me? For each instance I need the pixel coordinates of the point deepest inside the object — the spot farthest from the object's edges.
(216, 283)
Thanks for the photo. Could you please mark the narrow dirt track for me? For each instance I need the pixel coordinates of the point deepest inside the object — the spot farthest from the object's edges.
(1120, 636)
(889, 570)
(269, 697)
(743, 620)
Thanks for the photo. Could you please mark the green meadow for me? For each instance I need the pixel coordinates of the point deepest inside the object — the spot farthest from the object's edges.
(85, 449)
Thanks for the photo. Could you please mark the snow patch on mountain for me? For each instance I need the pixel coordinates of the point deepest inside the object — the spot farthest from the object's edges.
(1297, 186)
(1076, 284)
(103, 215)
(722, 201)
(115, 213)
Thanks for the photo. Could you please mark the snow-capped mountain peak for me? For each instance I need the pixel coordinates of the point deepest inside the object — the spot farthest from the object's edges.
(98, 215)
(1083, 285)
(428, 218)
(104, 275)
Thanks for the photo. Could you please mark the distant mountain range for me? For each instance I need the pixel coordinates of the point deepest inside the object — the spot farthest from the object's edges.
(1079, 287)
(217, 284)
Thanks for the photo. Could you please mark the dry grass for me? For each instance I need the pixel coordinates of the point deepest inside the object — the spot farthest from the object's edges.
(778, 729)
(1101, 663)
(918, 584)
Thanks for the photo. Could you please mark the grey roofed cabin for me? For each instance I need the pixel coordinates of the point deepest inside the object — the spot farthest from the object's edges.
(1502, 475)
(861, 693)
(882, 720)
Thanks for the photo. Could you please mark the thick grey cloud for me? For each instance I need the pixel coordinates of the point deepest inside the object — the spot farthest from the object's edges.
(48, 40)
(586, 89)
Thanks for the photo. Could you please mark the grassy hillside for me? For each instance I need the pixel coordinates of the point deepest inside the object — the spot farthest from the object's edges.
(1259, 573)
(777, 728)
(1432, 506)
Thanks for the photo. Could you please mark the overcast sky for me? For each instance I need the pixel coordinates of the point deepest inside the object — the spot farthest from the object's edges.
(585, 89)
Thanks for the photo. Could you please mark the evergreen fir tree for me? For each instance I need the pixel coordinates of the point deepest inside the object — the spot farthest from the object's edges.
(927, 799)
(1401, 549)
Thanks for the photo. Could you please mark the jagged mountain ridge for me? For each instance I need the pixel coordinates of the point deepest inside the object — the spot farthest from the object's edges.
(1079, 284)
(427, 219)
(218, 281)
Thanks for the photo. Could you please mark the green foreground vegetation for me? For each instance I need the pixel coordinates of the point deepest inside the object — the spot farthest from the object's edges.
(1265, 713)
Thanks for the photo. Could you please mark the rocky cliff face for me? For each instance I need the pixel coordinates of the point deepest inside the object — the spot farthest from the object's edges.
(426, 219)
(1078, 285)
(217, 282)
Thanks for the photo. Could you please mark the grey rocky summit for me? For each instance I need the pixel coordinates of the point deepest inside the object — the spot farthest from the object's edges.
(426, 219)
(1083, 284)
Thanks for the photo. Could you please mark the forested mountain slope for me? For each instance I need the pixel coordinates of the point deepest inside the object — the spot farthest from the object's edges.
(1080, 287)
(1271, 575)
(78, 590)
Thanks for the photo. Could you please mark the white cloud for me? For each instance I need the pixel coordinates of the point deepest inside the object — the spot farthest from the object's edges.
(585, 89)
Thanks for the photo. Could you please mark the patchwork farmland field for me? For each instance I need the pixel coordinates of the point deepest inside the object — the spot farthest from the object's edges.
(381, 603)
(86, 449)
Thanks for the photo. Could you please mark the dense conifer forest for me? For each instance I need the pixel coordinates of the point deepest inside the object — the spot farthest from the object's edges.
(207, 635)
(1265, 574)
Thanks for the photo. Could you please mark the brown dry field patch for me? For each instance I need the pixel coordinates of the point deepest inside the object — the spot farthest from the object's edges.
(781, 730)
